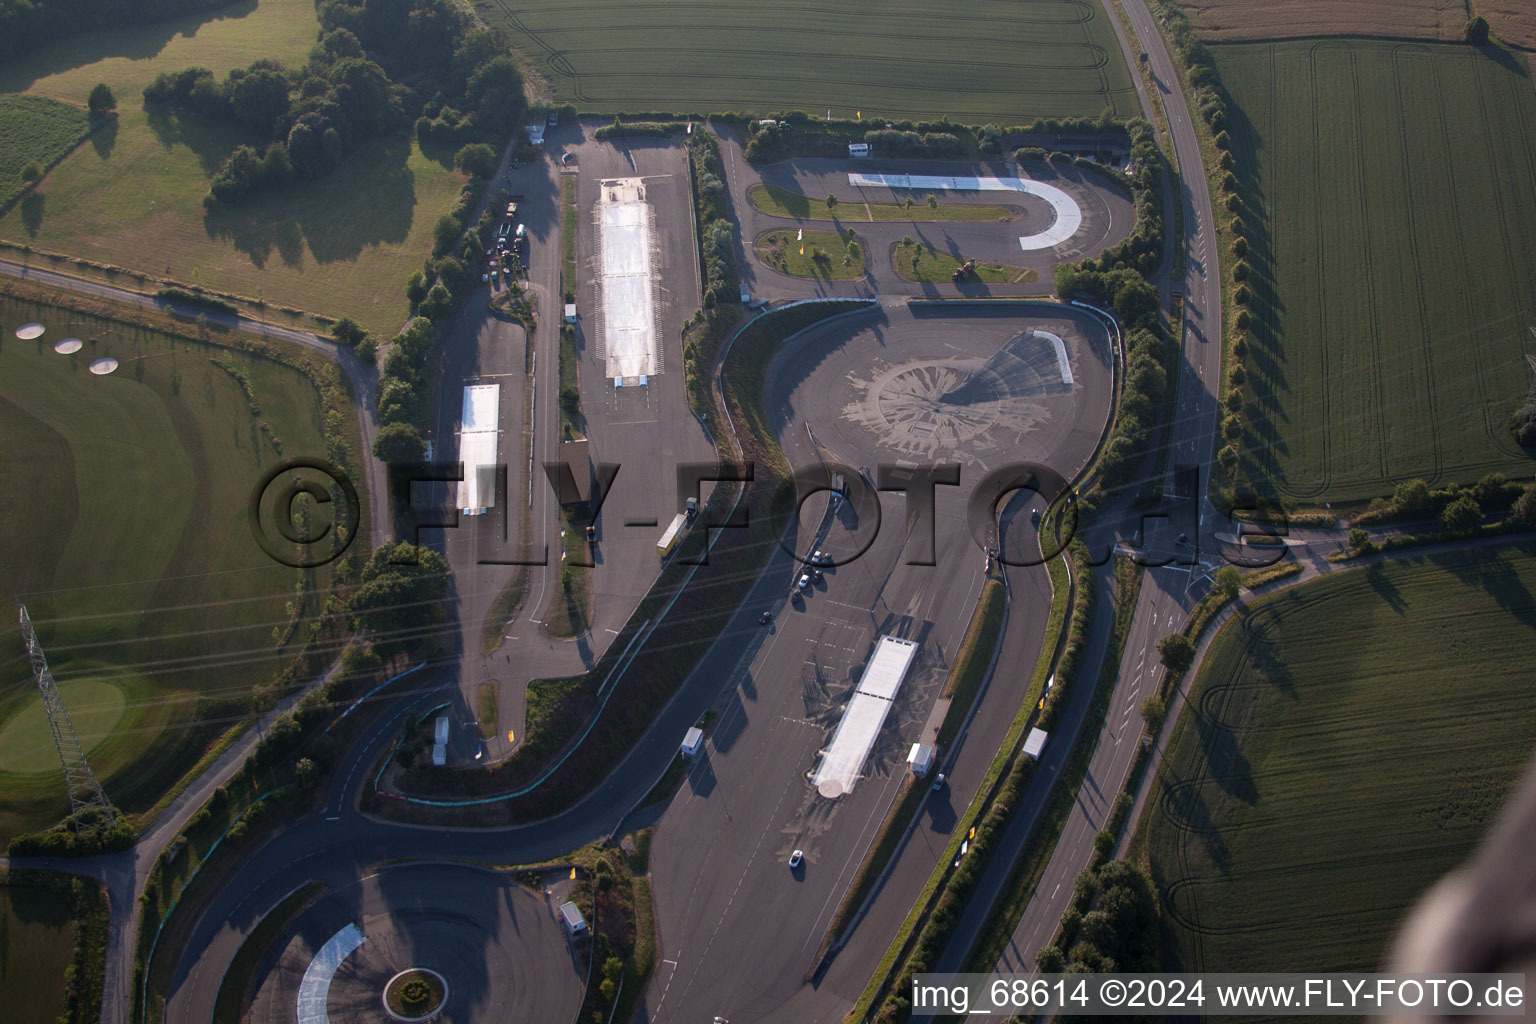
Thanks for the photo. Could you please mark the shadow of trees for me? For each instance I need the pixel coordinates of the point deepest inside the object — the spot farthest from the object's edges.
(94, 44)
(370, 202)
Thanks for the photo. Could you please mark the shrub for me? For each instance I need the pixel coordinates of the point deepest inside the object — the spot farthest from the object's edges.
(1412, 498)
(1463, 516)
(1523, 513)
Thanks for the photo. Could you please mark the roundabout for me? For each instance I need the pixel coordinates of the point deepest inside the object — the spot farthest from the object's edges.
(415, 995)
(419, 943)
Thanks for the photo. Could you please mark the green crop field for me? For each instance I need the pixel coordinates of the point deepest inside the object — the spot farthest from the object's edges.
(34, 128)
(1001, 62)
(124, 500)
(1347, 743)
(1393, 250)
(37, 942)
(133, 196)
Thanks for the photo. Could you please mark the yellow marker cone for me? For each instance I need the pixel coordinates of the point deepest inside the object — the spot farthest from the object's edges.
(510, 738)
(573, 872)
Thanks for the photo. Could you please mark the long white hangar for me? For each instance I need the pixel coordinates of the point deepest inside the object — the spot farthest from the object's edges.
(844, 758)
(479, 432)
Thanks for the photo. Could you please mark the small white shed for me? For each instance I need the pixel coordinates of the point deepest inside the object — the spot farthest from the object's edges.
(693, 742)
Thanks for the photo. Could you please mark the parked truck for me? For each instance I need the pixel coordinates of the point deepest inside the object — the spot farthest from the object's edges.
(670, 538)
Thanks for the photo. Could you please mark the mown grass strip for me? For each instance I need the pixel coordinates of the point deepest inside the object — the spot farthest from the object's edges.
(781, 202)
(568, 237)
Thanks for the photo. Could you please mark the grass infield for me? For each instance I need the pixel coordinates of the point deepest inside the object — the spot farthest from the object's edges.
(781, 202)
(823, 255)
(927, 265)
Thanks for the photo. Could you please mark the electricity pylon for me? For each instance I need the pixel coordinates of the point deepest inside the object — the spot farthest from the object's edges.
(85, 792)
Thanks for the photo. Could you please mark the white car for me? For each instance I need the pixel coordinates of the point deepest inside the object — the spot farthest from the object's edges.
(804, 582)
(796, 859)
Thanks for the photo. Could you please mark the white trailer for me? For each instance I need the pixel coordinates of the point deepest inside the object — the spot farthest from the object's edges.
(674, 533)
(693, 742)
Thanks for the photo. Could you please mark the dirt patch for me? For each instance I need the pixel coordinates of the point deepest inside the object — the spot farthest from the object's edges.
(1234, 20)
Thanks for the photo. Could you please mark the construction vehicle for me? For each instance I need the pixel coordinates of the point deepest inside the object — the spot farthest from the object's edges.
(964, 270)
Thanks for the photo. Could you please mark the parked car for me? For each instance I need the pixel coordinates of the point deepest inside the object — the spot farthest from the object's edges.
(765, 618)
(804, 583)
(938, 782)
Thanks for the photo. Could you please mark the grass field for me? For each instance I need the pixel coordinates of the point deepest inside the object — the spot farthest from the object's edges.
(35, 128)
(781, 202)
(124, 500)
(934, 267)
(1005, 63)
(133, 196)
(1233, 20)
(1513, 21)
(37, 941)
(819, 254)
(1392, 258)
(1347, 743)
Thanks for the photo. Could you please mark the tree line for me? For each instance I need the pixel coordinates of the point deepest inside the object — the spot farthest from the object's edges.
(1118, 278)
